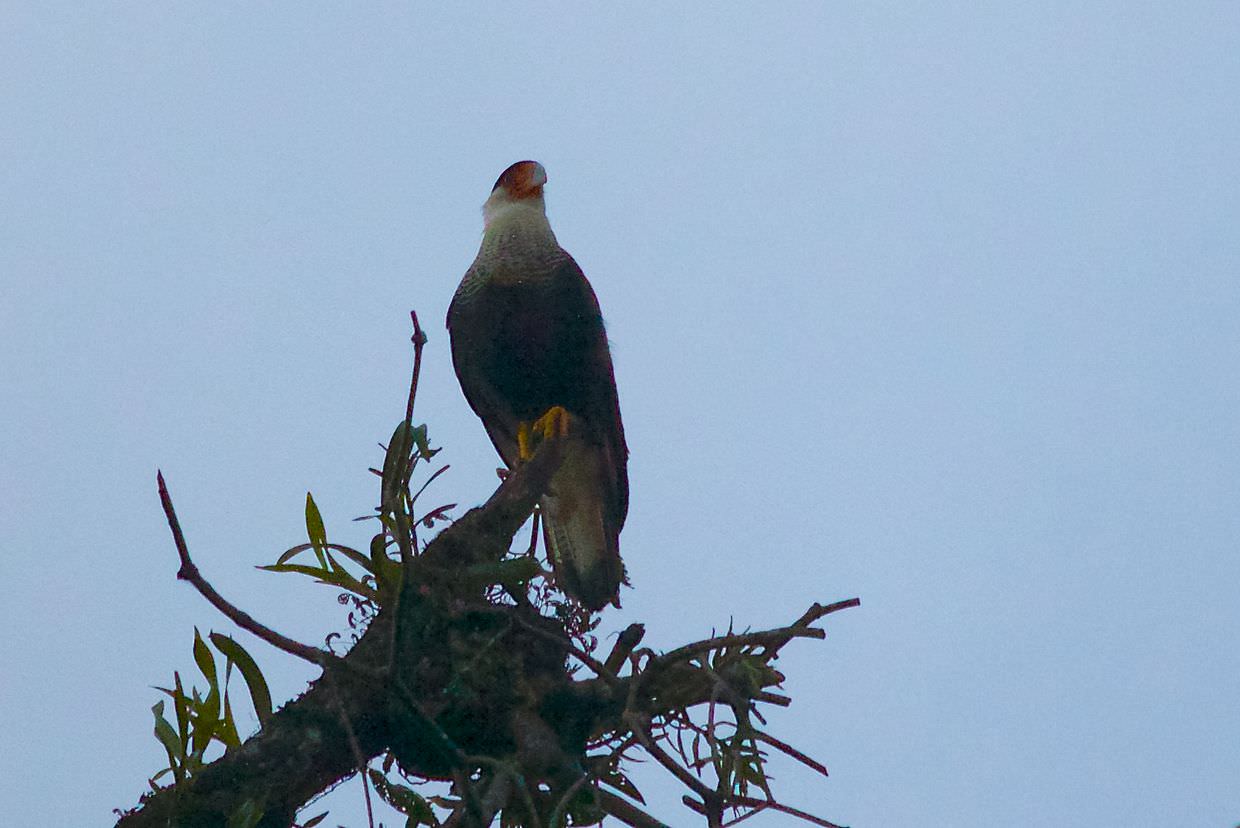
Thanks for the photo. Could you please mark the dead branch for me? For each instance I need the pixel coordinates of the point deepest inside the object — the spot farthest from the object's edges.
(189, 572)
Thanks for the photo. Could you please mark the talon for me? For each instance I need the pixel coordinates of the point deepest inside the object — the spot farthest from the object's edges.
(554, 423)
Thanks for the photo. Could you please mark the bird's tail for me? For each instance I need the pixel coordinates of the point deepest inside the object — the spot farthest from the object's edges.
(583, 547)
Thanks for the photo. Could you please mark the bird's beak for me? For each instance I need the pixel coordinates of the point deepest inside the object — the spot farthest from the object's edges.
(538, 176)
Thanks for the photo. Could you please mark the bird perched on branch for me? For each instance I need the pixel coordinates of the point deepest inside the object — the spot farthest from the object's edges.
(531, 354)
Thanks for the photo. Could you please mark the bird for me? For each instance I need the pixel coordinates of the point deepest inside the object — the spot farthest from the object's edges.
(530, 351)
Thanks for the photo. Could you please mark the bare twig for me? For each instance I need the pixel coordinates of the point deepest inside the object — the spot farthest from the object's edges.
(428, 482)
(419, 340)
(407, 538)
(771, 640)
(820, 610)
(767, 697)
(406, 531)
(639, 729)
(766, 638)
(627, 812)
(791, 751)
(750, 813)
(760, 804)
(189, 572)
(625, 643)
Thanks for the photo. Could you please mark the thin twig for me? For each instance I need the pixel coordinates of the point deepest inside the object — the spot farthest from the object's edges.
(627, 812)
(406, 532)
(767, 697)
(428, 482)
(820, 610)
(771, 639)
(813, 764)
(750, 813)
(638, 728)
(189, 572)
(419, 340)
(755, 639)
(714, 817)
(750, 802)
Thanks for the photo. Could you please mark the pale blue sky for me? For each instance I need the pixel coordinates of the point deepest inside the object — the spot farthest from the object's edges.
(934, 304)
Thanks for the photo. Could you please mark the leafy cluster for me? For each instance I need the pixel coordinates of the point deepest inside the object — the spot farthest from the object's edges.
(203, 721)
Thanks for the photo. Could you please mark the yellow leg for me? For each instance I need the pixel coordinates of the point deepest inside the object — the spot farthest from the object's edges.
(524, 450)
(550, 425)
(554, 423)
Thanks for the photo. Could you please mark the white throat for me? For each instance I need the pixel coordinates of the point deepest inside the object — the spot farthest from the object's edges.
(515, 229)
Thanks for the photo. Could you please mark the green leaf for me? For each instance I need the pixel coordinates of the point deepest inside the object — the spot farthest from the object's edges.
(228, 728)
(313, 571)
(386, 571)
(395, 462)
(168, 738)
(337, 578)
(422, 442)
(181, 704)
(204, 731)
(352, 554)
(378, 551)
(403, 799)
(260, 694)
(348, 551)
(314, 527)
(288, 554)
(209, 708)
(202, 657)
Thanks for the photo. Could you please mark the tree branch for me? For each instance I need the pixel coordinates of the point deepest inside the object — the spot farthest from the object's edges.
(389, 693)
(189, 572)
(304, 747)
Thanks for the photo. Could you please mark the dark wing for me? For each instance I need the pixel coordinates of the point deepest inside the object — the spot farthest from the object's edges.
(593, 396)
(473, 320)
(521, 345)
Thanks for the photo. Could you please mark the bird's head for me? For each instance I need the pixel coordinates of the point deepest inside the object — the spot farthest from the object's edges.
(524, 179)
(520, 184)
